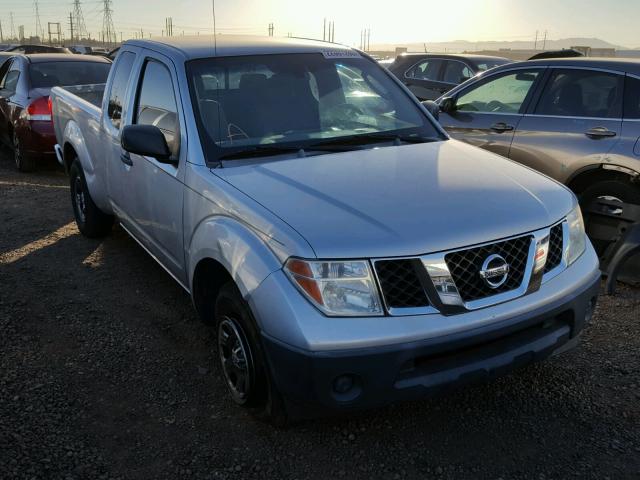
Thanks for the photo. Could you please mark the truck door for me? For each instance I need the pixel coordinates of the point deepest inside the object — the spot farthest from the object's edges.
(154, 190)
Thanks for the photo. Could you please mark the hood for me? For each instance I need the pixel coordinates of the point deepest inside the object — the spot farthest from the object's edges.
(402, 201)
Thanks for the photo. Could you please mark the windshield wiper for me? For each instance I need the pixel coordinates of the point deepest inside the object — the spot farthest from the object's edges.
(267, 150)
(369, 138)
(260, 151)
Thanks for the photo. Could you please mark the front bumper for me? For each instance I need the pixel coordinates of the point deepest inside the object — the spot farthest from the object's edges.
(398, 358)
(381, 375)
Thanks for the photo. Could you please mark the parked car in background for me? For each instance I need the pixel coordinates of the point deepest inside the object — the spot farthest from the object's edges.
(30, 49)
(576, 120)
(25, 83)
(429, 75)
(81, 49)
(347, 252)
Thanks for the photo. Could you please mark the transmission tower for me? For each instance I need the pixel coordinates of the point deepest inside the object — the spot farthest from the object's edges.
(78, 20)
(39, 30)
(11, 27)
(108, 30)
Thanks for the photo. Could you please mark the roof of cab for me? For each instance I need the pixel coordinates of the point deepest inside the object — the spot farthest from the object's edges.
(628, 65)
(202, 46)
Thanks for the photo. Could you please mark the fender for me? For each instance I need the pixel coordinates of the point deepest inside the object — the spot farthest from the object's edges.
(95, 178)
(244, 254)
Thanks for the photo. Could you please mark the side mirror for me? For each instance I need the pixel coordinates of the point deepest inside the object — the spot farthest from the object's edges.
(146, 140)
(448, 105)
(433, 107)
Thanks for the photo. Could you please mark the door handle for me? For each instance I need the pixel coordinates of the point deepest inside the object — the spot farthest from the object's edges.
(126, 159)
(600, 132)
(501, 127)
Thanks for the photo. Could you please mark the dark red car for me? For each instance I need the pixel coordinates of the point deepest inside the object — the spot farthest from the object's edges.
(25, 113)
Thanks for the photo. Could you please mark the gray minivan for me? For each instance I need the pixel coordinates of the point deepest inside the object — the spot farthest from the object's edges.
(576, 120)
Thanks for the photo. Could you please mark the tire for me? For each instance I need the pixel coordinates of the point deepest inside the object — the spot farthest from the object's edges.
(91, 221)
(623, 191)
(24, 163)
(242, 359)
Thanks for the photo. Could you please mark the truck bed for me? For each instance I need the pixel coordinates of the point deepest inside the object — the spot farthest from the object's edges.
(89, 93)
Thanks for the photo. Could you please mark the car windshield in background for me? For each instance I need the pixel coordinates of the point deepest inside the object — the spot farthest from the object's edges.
(52, 74)
(299, 101)
(489, 64)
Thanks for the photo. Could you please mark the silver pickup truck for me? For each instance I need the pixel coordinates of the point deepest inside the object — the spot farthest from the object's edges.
(347, 251)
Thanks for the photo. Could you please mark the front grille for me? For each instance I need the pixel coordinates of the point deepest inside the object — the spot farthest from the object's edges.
(400, 284)
(465, 266)
(554, 257)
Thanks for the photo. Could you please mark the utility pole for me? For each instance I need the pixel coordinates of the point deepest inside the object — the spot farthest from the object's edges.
(271, 28)
(544, 42)
(71, 25)
(324, 30)
(368, 39)
(535, 45)
(1, 37)
(21, 33)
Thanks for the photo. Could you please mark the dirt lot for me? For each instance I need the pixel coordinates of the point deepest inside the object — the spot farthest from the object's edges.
(105, 372)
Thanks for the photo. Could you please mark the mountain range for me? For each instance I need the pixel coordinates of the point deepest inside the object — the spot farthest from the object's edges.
(466, 45)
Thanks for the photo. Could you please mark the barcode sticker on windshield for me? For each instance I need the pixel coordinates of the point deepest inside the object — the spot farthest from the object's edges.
(340, 53)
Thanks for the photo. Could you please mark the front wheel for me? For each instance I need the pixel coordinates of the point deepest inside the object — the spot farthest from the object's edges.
(242, 359)
(92, 222)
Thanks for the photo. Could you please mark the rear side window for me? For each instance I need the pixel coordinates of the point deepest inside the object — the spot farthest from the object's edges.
(157, 103)
(121, 75)
(425, 70)
(64, 74)
(582, 93)
(456, 72)
(632, 98)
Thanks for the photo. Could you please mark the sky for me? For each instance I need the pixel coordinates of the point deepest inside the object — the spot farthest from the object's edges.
(391, 21)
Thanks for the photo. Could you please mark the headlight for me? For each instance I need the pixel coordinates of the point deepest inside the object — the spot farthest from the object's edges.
(577, 235)
(337, 288)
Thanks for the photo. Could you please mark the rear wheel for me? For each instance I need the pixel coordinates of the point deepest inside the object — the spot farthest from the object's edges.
(92, 222)
(242, 359)
(605, 229)
(24, 162)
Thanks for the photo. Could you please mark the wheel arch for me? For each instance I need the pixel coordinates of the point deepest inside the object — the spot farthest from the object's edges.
(589, 175)
(223, 249)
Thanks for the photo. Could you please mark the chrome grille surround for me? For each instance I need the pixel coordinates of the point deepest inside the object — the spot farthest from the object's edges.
(441, 289)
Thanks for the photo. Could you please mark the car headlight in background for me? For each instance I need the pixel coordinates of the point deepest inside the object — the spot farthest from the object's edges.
(577, 235)
(337, 288)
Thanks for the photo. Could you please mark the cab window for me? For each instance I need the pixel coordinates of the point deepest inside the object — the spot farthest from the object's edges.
(582, 93)
(157, 104)
(504, 94)
(121, 76)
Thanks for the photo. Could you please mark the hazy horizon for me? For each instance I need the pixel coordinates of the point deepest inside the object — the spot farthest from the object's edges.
(399, 22)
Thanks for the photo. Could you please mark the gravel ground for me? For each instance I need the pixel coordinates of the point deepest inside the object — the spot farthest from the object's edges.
(105, 372)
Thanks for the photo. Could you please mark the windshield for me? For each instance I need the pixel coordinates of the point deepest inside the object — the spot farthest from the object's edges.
(64, 74)
(297, 100)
